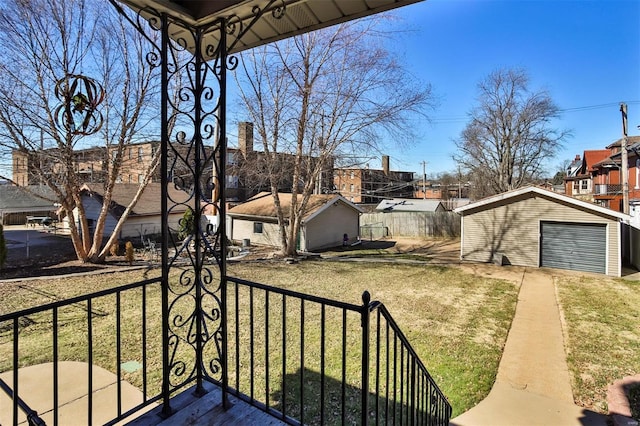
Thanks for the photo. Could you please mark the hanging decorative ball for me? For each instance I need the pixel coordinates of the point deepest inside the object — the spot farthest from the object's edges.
(79, 96)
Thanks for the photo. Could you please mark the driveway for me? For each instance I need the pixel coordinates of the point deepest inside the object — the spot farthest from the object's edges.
(27, 246)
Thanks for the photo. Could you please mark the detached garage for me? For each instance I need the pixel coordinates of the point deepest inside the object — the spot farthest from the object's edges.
(534, 227)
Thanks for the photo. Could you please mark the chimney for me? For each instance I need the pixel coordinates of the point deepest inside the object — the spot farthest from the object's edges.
(385, 164)
(577, 157)
(245, 138)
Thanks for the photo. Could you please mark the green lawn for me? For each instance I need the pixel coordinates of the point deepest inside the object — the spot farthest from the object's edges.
(456, 322)
(603, 334)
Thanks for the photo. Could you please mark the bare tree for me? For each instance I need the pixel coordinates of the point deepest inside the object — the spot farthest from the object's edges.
(510, 135)
(321, 97)
(48, 108)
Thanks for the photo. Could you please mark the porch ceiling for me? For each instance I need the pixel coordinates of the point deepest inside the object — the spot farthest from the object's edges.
(301, 16)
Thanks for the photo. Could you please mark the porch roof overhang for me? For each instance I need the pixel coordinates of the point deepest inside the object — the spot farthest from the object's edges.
(301, 16)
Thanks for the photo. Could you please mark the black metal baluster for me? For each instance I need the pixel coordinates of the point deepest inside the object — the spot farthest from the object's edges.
(144, 344)
(364, 314)
(402, 384)
(90, 361)
(284, 356)
(395, 376)
(251, 344)
(118, 355)
(322, 362)
(301, 361)
(387, 374)
(16, 367)
(344, 366)
(377, 394)
(266, 348)
(237, 342)
(55, 367)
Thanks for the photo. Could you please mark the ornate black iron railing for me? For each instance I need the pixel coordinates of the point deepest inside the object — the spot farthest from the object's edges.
(319, 361)
(96, 323)
(301, 358)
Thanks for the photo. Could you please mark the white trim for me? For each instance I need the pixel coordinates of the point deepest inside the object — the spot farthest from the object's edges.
(461, 237)
(543, 192)
(620, 248)
(331, 203)
(607, 232)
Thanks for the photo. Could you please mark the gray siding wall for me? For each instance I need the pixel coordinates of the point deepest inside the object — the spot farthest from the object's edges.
(513, 229)
(410, 224)
(327, 229)
(241, 229)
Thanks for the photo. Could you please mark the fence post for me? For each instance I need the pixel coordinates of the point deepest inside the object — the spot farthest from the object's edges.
(366, 298)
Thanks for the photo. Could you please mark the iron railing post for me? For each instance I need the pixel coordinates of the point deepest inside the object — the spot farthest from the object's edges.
(366, 298)
(164, 219)
(222, 209)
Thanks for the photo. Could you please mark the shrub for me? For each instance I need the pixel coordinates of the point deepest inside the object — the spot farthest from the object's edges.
(128, 252)
(114, 249)
(187, 225)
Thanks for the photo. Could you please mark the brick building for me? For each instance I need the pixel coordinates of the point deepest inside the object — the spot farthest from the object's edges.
(369, 186)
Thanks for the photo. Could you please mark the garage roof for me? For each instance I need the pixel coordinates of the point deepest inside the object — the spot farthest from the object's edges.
(301, 16)
(505, 196)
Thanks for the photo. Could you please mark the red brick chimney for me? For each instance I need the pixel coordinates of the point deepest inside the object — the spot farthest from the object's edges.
(245, 138)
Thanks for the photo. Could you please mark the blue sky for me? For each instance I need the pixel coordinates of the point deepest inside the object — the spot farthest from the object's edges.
(586, 54)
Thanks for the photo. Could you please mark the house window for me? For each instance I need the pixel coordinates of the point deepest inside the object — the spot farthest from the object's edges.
(231, 159)
(232, 181)
(140, 178)
(576, 185)
(585, 184)
(257, 227)
(352, 174)
(130, 153)
(351, 188)
(140, 154)
(154, 150)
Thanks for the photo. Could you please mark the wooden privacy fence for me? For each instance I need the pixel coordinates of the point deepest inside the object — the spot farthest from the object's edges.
(409, 224)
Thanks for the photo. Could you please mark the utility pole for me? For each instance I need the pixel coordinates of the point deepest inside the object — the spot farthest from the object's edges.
(424, 180)
(625, 161)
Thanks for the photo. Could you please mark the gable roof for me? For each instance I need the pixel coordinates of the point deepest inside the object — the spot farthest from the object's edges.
(15, 198)
(593, 157)
(149, 202)
(262, 205)
(488, 202)
(618, 143)
(409, 205)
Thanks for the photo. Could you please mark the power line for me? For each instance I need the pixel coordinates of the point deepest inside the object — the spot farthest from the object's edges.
(600, 106)
(460, 119)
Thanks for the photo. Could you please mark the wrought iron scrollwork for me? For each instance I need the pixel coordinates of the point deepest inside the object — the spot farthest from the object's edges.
(193, 65)
(80, 97)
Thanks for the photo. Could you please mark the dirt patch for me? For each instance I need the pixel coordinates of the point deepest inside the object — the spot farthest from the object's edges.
(58, 256)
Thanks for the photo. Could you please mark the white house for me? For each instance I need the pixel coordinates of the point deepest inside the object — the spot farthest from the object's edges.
(145, 218)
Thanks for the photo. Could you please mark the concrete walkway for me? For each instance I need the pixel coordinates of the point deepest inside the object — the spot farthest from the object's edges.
(533, 385)
(36, 384)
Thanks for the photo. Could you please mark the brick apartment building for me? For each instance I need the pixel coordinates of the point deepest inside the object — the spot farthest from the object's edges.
(247, 169)
(369, 186)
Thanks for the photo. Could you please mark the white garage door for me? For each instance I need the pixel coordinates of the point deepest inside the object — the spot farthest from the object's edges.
(575, 246)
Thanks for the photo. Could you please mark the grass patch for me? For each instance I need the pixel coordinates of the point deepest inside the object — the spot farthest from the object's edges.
(456, 322)
(602, 316)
